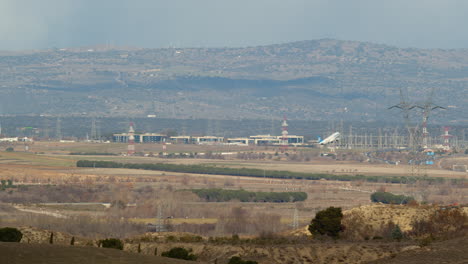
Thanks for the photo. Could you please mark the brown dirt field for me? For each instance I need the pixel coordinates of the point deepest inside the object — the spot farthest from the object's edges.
(64, 148)
(20, 253)
(56, 155)
(322, 166)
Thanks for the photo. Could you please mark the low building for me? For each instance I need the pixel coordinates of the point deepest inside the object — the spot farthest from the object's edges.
(207, 140)
(264, 140)
(140, 138)
(181, 139)
(12, 139)
(239, 141)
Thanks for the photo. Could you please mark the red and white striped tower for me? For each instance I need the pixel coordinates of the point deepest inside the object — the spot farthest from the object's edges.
(446, 137)
(131, 140)
(284, 135)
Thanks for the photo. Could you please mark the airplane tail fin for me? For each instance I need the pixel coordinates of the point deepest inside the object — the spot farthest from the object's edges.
(319, 139)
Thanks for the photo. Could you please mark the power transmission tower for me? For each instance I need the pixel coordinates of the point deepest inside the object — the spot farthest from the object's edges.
(295, 223)
(418, 138)
(58, 129)
(160, 221)
(45, 128)
(426, 108)
(413, 133)
(93, 129)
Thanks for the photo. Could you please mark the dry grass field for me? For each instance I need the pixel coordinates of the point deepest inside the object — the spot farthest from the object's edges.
(51, 193)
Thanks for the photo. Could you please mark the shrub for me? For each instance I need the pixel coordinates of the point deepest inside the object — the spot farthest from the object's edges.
(390, 198)
(112, 243)
(396, 233)
(10, 234)
(179, 253)
(220, 195)
(9, 149)
(327, 222)
(444, 223)
(238, 260)
(426, 241)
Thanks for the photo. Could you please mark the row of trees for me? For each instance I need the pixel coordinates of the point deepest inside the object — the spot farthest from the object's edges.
(6, 184)
(220, 195)
(390, 198)
(202, 169)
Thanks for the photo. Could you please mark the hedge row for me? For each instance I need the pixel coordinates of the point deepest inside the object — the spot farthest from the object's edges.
(220, 195)
(390, 198)
(202, 169)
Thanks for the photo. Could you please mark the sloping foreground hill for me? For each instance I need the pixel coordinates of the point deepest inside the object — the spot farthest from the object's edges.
(21, 253)
(451, 251)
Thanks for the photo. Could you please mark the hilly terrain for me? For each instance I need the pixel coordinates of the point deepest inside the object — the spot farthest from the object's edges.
(307, 80)
(21, 253)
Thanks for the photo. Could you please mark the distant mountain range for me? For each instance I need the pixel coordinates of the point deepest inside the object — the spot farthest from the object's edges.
(306, 80)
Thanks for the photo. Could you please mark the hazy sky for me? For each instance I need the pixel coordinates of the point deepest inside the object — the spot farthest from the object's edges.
(38, 24)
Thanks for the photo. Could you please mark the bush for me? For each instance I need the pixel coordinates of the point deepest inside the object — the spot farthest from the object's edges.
(179, 253)
(390, 198)
(10, 234)
(444, 223)
(396, 233)
(220, 195)
(327, 222)
(9, 149)
(112, 243)
(238, 260)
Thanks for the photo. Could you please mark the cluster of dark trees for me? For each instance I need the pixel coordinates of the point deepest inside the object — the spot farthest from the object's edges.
(390, 198)
(179, 253)
(10, 234)
(202, 169)
(6, 184)
(111, 243)
(220, 195)
(327, 222)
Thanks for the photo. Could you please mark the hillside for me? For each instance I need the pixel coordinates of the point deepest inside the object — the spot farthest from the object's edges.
(308, 80)
(450, 251)
(20, 253)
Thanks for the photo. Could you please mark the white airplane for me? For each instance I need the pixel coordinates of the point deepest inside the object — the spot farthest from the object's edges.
(330, 139)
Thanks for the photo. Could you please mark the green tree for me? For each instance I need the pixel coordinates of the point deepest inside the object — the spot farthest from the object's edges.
(51, 238)
(72, 241)
(179, 253)
(390, 198)
(10, 234)
(327, 222)
(238, 260)
(112, 243)
(396, 233)
(9, 149)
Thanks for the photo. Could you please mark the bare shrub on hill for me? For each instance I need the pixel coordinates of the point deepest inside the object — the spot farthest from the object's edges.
(444, 223)
(80, 225)
(241, 221)
(356, 227)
